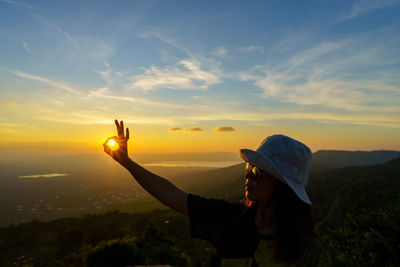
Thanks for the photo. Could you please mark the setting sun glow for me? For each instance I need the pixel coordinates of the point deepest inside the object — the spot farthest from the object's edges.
(113, 145)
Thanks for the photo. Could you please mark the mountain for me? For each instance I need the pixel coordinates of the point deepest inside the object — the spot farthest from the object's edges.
(357, 210)
(324, 159)
(332, 191)
(229, 182)
(97, 184)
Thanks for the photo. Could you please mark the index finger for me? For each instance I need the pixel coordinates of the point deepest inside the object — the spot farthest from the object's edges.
(121, 130)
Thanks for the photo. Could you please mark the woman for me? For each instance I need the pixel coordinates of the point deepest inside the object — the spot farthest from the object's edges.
(273, 227)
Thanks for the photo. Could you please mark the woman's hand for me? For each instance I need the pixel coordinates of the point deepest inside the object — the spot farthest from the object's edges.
(121, 154)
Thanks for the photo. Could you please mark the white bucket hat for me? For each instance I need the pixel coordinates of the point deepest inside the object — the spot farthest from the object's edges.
(286, 159)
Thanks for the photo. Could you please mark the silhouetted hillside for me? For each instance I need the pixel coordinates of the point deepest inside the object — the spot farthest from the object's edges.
(357, 211)
(324, 159)
(351, 189)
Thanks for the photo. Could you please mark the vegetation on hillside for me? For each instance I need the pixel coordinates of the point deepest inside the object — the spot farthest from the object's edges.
(357, 210)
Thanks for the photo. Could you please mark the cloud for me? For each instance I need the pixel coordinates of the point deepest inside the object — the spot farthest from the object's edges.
(251, 48)
(95, 117)
(210, 62)
(220, 52)
(194, 129)
(189, 77)
(96, 48)
(109, 75)
(85, 46)
(243, 76)
(18, 3)
(105, 93)
(339, 75)
(167, 41)
(365, 6)
(69, 37)
(56, 84)
(25, 45)
(179, 129)
(224, 129)
(175, 129)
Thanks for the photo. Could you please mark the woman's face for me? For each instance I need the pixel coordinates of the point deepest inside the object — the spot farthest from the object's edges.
(259, 191)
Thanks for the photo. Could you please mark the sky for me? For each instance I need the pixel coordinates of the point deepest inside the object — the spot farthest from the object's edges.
(199, 76)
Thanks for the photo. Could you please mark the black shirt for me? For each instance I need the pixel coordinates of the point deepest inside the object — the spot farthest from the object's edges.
(231, 229)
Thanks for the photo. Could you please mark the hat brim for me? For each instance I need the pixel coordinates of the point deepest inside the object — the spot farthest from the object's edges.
(262, 162)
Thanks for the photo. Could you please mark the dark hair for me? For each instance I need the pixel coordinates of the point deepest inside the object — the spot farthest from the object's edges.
(294, 224)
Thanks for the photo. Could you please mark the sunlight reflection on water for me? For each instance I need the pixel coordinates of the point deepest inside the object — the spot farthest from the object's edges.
(46, 175)
(212, 164)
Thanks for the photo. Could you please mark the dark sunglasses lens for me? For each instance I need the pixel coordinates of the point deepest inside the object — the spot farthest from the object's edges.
(254, 170)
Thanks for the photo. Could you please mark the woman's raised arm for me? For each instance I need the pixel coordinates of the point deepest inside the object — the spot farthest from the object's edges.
(162, 189)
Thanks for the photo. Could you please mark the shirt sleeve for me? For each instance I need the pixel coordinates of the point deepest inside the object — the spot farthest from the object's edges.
(209, 217)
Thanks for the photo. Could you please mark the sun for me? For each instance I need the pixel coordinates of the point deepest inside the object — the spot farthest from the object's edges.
(113, 145)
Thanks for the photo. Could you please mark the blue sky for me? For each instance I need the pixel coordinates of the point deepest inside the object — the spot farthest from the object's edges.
(325, 72)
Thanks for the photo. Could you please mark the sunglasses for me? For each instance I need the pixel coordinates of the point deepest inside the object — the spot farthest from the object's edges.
(255, 172)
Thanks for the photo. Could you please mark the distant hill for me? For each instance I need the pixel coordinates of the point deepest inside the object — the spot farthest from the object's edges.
(351, 189)
(324, 159)
(229, 182)
(96, 184)
(348, 188)
(357, 211)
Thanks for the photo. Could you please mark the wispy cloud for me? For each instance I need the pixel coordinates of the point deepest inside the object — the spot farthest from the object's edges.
(167, 41)
(25, 45)
(85, 46)
(365, 6)
(251, 48)
(61, 85)
(45, 21)
(106, 75)
(328, 75)
(105, 93)
(266, 115)
(96, 117)
(191, 76)
(68, 36)
(111, 76)
(208, 62)
(220, 51)
(17, 3)
(224, 129)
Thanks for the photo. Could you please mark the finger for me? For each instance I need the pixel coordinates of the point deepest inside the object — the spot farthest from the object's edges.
(127, 134)
(118, 127)
(107, 149)
(121, 130)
